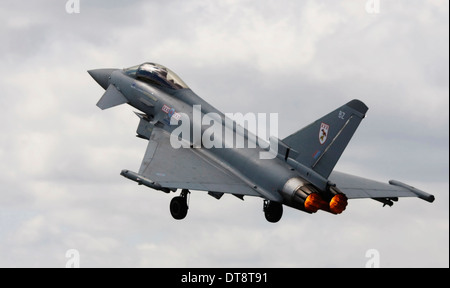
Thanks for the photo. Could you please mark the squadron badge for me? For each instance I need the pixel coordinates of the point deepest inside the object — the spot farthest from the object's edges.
(323, 133)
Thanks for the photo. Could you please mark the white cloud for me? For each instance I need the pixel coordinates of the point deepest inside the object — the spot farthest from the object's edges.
(223, 33)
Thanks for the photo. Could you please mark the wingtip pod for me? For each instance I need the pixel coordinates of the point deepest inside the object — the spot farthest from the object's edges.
(141, 180)
(421, 194)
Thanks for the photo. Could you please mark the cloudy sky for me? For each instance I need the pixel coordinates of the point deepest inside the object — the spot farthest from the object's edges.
(60, 156)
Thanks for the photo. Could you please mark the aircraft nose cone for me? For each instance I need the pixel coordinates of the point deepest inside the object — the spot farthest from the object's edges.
(102, 76)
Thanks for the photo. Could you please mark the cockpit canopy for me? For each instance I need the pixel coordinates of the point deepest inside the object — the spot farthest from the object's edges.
(157, 75)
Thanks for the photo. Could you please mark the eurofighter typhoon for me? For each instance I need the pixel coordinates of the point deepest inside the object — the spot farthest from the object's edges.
(194, 146)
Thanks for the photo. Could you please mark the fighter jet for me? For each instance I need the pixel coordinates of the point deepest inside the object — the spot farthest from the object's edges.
(179, 155)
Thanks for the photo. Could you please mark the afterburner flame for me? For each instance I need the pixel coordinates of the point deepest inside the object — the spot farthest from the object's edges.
(314, 202)
(338, 204)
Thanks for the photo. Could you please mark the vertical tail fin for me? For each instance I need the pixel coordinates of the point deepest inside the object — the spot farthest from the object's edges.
(320, 144)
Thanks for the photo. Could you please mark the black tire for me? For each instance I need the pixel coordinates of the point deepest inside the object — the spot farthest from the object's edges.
(178, 208)
(273, 211)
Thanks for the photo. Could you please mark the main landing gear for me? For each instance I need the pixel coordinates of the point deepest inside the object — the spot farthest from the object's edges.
(273, 211)
(179, 205)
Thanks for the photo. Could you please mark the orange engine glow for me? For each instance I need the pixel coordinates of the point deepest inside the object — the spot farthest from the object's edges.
(314, 202)
(338, 204)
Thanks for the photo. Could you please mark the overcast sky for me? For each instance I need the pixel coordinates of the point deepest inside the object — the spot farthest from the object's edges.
(60, 156)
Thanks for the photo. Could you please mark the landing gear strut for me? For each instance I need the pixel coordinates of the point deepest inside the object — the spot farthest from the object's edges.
(179, 205)
(273, 211)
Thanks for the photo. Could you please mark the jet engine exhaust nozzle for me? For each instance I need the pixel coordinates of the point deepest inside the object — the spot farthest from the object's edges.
(300, 193)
